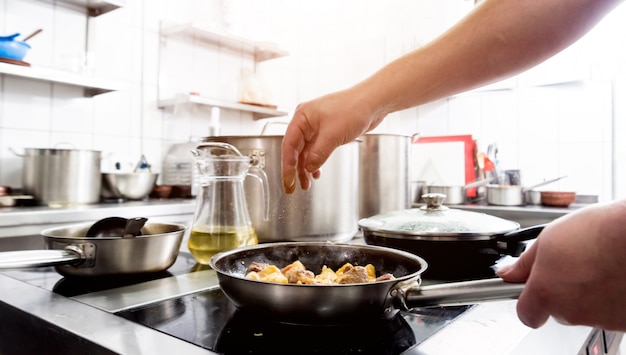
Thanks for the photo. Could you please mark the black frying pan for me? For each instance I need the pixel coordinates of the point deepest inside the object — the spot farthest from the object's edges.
(336, 304)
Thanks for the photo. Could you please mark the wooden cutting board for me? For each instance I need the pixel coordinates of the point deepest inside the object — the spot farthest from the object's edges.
(13, 61)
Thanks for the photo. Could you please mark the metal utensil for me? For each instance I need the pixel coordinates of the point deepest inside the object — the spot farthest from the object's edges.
(543, 183)
(38, 31)
(116, 227)
(133, 227)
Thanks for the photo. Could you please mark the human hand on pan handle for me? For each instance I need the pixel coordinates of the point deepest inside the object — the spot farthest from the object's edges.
(318, 127)
(576, 270)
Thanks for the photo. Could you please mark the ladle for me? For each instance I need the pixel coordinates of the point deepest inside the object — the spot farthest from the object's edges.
(543, 183)
(116, 227)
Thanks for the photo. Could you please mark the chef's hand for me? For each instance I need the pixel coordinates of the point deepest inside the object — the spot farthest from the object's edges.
(576, 270)
(318, 127)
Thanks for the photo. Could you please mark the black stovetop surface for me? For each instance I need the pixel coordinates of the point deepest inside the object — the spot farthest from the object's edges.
(208, 319)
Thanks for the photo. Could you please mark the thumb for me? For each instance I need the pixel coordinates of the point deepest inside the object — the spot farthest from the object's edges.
(520, 270)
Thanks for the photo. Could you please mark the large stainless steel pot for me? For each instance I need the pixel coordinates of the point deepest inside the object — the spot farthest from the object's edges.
(74, 254)
(61, 177)
(327, 211)
(335, 304)
(384, 182)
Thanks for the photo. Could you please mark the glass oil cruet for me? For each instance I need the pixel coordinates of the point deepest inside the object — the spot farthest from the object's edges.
(221, 220)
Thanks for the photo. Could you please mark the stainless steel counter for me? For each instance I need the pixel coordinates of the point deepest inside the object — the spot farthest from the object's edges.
(26, 221)
(486, 329)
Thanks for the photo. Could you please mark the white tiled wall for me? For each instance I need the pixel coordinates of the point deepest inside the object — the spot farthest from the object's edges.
(546, 131)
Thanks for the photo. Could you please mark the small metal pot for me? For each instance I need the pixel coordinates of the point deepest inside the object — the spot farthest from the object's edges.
(455, 195)
(505, 195)
(513, 195)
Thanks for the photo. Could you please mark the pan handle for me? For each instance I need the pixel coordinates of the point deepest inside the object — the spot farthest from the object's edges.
(40, 258)
(509, 243)
(460, 293)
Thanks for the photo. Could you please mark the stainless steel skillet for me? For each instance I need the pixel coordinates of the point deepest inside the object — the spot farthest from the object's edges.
(73, 254)
(336, 304)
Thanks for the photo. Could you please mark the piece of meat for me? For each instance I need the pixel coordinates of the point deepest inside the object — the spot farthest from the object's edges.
(297, 273)
(385, 277)
(291, 271)
(305, 277)
(353, 275)
(256, 267)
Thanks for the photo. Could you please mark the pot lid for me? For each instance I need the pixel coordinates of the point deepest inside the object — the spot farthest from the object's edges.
(435, 221)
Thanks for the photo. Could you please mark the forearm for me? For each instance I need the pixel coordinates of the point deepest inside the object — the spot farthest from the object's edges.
(498, 39)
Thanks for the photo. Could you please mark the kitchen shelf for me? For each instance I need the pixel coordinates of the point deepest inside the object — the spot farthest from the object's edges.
(258, 112)
(91, 86)
(91, 7)
(262, 51)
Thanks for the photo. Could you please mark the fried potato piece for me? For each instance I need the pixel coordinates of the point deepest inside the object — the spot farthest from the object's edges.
(269, 274)
(326, 277)
(296, 273)
(353, 275)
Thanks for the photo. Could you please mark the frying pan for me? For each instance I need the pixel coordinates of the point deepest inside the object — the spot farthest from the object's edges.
(337, 304)
(458, 244)
(73, 254)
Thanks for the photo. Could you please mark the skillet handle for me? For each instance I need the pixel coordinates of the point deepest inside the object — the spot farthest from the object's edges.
(41, 258)
(462, 293)
(509, 243)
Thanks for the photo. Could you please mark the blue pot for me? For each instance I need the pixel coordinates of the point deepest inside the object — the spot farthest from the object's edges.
(13, 49)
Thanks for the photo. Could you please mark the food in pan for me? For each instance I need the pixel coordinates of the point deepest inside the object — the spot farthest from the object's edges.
(297, 273)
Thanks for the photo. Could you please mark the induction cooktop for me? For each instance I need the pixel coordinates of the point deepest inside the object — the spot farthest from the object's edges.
(209, 320)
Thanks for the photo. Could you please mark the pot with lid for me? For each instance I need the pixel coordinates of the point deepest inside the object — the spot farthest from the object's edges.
(457, 243)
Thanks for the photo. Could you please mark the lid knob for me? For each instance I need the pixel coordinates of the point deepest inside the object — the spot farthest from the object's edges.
(434, 202)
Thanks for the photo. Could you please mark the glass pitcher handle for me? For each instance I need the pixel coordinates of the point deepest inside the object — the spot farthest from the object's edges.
(262, 177)
(221, 145)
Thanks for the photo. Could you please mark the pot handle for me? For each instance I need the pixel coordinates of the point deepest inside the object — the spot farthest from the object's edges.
(41, 258)
(509, 243)
(459, 293)
(16, 153)
(268, 124)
